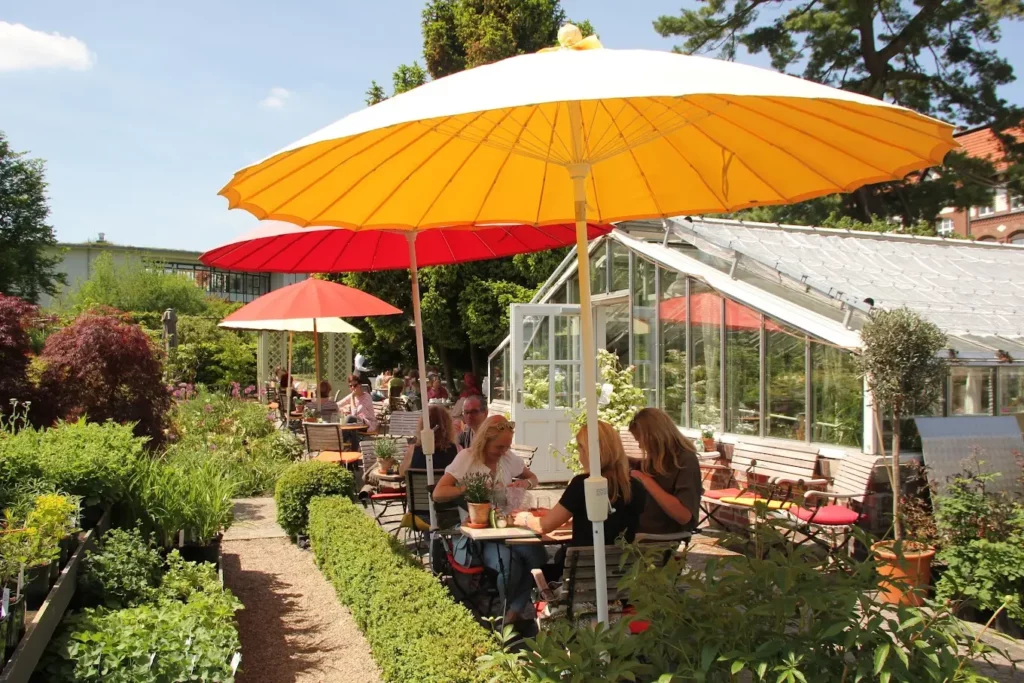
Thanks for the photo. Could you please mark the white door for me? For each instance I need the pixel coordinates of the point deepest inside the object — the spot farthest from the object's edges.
(545, 351)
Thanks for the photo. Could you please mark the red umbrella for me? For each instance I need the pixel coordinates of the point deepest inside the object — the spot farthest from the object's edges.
(311, 299)
(286, 248)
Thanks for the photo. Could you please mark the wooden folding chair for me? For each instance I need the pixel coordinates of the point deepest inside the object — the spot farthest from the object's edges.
(325, 440)
(404, 423)
(524, 452)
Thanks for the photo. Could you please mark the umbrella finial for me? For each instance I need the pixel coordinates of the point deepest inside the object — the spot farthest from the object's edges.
(569, 35)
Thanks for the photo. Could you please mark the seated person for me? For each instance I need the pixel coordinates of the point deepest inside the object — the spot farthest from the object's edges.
(489, 454)
(445, 449)
(670, 473)
(625, 495)
(328, 407)
(474, 412)
(437, 391)
(357, 407)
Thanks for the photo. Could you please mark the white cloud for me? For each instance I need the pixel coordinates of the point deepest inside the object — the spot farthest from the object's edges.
(22, 48)
(276, 98)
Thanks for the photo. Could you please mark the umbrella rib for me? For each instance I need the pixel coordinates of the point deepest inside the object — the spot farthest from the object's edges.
(863, 133)
(501, 167)
(447, 245)
(324, 237)
(801, 162)
(803, 132)
(448, 140)
(451, 178)
(639, 168)
(427, 131)
(686, 161)
(544, 173)
(896, 122)
(341, 252)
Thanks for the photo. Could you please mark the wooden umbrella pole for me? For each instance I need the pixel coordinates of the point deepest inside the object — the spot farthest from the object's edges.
(316, 353)
(288, 392)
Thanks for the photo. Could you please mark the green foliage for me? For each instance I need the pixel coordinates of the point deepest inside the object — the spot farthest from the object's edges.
(904, 372)
(936, 58)
(415, 630)
(303, 481)
(237, 436)
(134, 284)
(982, 543)
(624, 402)
(28, 254)
(477, 487)
(484, 306)
(211, 355)
(122, 572)
(94, 461)
(185, 632)
(783, 613)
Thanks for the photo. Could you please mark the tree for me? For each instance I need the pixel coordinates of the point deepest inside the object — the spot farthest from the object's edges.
(102, 368)
(137, 286)
(904, 373)
(14, 350)
(28, 255)
(933, 56)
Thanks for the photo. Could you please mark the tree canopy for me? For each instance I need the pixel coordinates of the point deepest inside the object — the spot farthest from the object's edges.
(465, 306)
(28, 258)
(937, 57)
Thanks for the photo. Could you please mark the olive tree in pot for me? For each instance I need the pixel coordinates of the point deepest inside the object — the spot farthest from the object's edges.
(904, 372)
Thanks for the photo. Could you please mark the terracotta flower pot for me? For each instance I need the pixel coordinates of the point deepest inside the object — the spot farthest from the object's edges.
(903, 580)
(479, 513)
(710, 445)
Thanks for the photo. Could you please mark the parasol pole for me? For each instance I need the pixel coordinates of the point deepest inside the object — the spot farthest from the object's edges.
(316, 353)
(595, 486)
(427, 435)
(288, 392)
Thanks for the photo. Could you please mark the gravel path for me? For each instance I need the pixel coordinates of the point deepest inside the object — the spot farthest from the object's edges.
(292, 628)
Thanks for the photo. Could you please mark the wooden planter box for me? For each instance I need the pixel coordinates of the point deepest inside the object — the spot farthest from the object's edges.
(40, 629)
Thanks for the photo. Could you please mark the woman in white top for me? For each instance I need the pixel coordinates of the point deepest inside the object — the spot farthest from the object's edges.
(489, 454)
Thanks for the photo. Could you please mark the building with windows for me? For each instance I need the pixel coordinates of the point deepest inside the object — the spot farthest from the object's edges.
(751, 329)
(1003, 219)
(78, 259)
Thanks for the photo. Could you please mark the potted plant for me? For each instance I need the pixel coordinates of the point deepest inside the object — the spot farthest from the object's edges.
(208, 511)
(477, 492)
(386, 452)
(904, 374)
(54, 516)
(13, 547)
(707, 436)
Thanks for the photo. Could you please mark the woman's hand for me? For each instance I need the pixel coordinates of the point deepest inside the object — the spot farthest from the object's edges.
(642, 477)
(521, 484)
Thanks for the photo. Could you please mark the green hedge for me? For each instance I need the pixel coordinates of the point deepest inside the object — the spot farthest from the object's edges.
(302, 482)
(416, 631)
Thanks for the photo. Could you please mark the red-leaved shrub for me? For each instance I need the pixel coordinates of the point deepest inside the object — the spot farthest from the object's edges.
(14, 350)
(105, 369)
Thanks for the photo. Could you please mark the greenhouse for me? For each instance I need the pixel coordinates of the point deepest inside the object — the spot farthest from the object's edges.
(750, 330)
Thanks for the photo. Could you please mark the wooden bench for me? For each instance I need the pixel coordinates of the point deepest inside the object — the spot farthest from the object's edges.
(577, 593)
(524, 452)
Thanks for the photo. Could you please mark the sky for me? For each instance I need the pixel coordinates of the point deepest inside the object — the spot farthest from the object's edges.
(144, 110)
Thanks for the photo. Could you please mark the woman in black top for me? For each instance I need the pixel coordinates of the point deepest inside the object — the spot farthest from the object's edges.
(445, 449)
(626, 496)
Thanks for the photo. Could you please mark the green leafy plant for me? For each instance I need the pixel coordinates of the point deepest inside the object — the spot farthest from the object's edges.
(416, 631)
(386, 452)
(782, 614)
(982, 543)
(122, 572)
(903, 371)
(478, 487)
(300, 483)
(624, 401)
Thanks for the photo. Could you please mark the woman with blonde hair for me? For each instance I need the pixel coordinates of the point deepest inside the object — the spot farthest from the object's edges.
(625, 495)
(445, 448)
(489, 454)
(669, 472)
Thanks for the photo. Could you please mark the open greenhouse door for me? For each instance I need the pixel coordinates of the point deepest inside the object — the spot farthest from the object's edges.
(546, 367)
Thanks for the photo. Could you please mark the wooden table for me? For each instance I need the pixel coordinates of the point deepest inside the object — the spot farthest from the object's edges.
(390, 481)
(518, 535)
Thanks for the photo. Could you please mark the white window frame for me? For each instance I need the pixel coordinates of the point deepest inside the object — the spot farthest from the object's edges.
(946, 227)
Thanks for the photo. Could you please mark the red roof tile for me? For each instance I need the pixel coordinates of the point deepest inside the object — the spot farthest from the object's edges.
(981, 143)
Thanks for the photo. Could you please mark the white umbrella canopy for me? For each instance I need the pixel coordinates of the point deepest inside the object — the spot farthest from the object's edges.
(580, 134)
(329, 325)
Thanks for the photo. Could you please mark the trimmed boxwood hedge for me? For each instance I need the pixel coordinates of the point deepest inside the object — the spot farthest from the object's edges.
(416, 631)
(302, 482)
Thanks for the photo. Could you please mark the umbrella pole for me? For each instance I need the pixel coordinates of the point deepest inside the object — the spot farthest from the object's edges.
(427, 435)
(595, 486)
(316, 354)
(288, 392)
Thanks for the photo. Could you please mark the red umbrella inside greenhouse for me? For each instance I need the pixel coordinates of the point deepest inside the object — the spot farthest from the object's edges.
(278, 247)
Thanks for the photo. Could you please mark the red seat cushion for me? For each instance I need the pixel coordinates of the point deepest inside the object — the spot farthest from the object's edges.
(387, 496)
(829, 515)
(462, 569)
(722, 493)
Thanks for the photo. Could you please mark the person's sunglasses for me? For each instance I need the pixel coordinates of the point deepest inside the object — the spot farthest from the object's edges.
(353, 386)
(505, 426)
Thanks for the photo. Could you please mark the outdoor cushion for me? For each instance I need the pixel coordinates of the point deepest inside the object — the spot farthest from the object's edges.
(387, 496)
(830, 515)
(749, 501)
(345, 457)
(407, 522)
(719, 493)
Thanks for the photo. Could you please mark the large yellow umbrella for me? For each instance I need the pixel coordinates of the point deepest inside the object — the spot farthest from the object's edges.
(583, 133)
